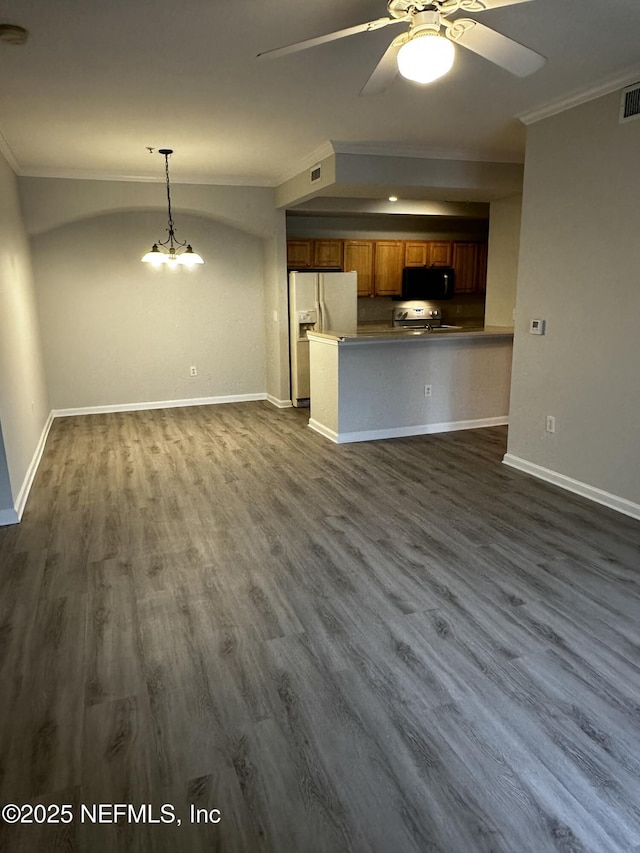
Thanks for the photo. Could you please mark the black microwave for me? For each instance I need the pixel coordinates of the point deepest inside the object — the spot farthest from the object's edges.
(428, 283)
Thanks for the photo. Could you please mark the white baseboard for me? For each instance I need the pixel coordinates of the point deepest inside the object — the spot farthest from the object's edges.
(404, 432)
(323, 430)
(13, 516)
(157, 404)
(281, 404)
(576, 486)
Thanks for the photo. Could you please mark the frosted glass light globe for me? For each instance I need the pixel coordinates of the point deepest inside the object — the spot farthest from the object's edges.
(425, 57)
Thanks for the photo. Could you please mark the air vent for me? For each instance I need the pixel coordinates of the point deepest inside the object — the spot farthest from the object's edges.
(316, 173)
(630, 103)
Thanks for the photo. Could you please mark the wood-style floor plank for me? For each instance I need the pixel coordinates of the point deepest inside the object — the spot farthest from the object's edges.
(389, 646)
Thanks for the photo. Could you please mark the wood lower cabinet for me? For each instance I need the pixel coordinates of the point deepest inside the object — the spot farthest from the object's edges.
(470, 265)
(388, 266)
(359, 257)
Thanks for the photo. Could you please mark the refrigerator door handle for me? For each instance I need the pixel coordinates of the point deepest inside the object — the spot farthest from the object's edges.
(323, 308)
(320, 303)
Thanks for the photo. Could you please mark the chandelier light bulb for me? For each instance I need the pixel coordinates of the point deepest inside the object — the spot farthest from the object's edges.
(425, 57)
(189, 258)
(154, 257)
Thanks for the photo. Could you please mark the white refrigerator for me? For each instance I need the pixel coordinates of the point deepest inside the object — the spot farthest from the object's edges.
(322, 302)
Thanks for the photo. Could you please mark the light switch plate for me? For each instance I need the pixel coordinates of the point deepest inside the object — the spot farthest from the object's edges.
(536, 327)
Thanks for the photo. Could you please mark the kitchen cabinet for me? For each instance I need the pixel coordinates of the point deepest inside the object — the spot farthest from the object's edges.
(470, 265)
(481, 273)
(299, 254)
(359, 257)
(388, 266)
(379, 263)
(327, 253)
(310, 254)
(428, 253)
(440, 253)
(416, 253)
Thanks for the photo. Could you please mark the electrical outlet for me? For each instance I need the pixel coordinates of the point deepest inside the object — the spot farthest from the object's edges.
(194, 370)
(550, 423)
(427, 390)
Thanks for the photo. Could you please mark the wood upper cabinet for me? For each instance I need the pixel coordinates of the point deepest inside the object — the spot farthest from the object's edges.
(440, 253)
(481, 272)
(416, 253)
(470, 265)
(327, 253)
(306, 253)
(428, 253)
(299, 254)
(388, 266)
(359, 257)
(379, 263)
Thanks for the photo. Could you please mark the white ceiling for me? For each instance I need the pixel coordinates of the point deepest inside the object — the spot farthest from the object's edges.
(97, 82)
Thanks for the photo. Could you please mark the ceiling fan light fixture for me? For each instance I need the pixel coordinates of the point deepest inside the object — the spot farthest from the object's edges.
(425, 57)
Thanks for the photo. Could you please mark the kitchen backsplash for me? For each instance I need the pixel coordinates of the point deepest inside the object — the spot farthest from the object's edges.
(466, 310)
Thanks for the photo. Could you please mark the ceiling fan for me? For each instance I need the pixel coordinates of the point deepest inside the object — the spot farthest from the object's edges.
(426, 50)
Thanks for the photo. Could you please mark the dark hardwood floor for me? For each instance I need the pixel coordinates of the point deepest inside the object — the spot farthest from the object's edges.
(387, 647)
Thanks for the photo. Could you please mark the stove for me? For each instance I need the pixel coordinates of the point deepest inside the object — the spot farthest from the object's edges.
(419, 317)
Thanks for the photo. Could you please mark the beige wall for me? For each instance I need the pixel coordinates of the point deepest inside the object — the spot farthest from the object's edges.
(580, 271)
(23, 399)
(116, 332)
(502, 265)
(390, 226)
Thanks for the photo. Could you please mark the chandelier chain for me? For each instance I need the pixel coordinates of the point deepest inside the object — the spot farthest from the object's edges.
(172, 241)
(166, 169)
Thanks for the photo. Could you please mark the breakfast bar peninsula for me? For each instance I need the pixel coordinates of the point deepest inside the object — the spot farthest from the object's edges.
(391, 383)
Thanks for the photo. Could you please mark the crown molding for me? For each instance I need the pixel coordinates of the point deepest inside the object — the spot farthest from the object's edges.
(379, 149)
(582, 96)
(80, 175)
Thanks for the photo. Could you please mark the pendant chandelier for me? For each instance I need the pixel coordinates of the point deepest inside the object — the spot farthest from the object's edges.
(171, 251)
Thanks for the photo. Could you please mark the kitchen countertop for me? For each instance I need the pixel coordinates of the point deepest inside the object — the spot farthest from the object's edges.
(373, 333)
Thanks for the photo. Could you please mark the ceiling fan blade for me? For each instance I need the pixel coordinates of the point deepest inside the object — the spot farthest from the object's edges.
(339, 34)
(385, 71)
(508, 54)
(482, 5)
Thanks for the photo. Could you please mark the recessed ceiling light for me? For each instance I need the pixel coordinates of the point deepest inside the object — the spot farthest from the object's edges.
(393, 198)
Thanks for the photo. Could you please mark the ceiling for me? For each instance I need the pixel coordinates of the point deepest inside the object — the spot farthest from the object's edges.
(98, 82)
